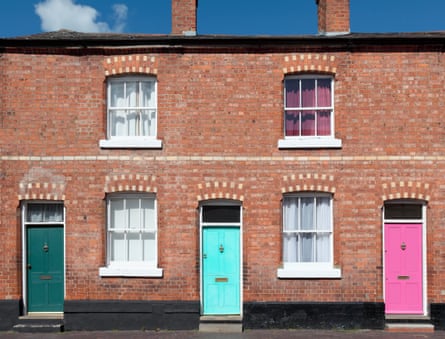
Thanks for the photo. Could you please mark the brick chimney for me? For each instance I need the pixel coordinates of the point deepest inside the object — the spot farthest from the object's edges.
(333, 17)
(184, 17)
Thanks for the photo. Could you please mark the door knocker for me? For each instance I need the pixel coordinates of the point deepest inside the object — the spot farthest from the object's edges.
(221, 248)
(403, 246)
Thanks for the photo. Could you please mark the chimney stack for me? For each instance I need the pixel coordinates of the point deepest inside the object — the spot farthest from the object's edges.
(333, 17)
(184, 17)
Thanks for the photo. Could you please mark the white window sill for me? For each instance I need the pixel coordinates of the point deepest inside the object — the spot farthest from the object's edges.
(309, 273)
(309, 142)
(130, 142)
(131, 272)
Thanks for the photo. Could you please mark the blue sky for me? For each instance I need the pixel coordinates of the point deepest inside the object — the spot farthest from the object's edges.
(239, 17)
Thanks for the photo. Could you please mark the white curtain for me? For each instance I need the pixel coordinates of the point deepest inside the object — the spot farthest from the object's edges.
(307, 229)
(44, 213)
(132, 229)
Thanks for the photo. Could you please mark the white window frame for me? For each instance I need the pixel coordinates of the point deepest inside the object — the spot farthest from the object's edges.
(129, 268)
(311, 269)
(310, 141)
(130, 141)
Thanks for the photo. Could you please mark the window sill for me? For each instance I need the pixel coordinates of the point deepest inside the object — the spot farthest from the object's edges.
(130, 272)
(309, 142)
(130, 143)
(326, 273)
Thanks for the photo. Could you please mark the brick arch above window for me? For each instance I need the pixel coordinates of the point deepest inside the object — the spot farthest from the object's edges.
(308, 182)
(130, 182)
(307, 62)
(211, 190)
(42, 191)
(128, 64)
(405, 190)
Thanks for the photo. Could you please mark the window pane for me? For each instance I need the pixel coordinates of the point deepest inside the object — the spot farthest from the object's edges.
(117, 214)
(403, 211)
(290, 247)
(131, 94)
(323, 247)
(149, 243)
(290, 213)
(148, 122)
(307, 247)
(147, 94)
(220, 214)
(292, 93)
(117, 246)
(148, 214)
(132, 123)
(53, 212)
(117, 93)
(134, 215)
(118, 123)
(307, 123)
(134, 246)
(292, 124)
(323, 123)
(307, 213)
(324, 92)
(323, 213)
(44, 213)
(308, 92)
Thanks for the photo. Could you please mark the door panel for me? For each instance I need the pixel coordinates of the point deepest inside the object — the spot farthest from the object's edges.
(45, 269)
(403, 269)
(221, 270)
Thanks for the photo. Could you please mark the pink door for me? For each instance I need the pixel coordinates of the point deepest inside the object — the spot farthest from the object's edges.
(403, 269)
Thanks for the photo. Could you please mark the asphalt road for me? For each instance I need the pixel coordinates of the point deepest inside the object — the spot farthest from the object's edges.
(252, 334)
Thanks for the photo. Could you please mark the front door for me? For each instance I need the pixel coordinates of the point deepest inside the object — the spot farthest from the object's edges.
(221, 270)
(403, 268)
(45, 269)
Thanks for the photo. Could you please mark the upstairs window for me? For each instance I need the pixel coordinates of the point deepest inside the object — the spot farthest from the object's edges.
(308, 112)
(132, 112)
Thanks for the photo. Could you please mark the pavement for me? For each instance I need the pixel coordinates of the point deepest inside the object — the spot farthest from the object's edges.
(251, 334)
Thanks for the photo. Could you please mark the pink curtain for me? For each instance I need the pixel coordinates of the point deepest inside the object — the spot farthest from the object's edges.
(292, 123)
(324, 100)
(313, 93)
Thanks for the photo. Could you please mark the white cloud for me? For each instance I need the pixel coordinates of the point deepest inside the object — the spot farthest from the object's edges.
(66, 14)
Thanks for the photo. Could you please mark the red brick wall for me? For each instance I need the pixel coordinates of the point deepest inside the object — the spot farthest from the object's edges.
(333, 16)
(220, 118)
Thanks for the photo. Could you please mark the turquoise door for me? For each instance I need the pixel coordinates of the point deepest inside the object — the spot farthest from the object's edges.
(221, 270)
(45, 283)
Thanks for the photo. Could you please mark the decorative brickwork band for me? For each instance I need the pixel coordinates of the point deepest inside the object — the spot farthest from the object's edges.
(322, 63)
(308, 182)
(220, 190)
(135, 63)
(130, 182)
(42, 184)
(405, 190)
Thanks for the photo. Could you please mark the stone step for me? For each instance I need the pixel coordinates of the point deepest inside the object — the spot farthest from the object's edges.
(409, 327)
(41, 323)
(221, 324)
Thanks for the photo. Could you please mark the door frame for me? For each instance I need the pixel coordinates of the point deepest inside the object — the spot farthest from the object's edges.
(421, 221)
(202, 225)
(24, 229)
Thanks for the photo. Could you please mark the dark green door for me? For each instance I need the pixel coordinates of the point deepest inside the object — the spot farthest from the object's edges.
(45, 269)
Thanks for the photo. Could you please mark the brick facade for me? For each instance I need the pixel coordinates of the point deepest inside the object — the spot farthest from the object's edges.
(220, 118)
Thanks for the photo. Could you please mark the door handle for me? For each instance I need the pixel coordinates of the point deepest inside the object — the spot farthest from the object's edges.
(28, 266)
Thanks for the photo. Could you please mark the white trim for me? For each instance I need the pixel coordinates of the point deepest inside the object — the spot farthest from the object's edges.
(24, 227)
(424, 244)
(308, 271)
(141, 271)
(221, 202)
(130, 142)
(309, 142)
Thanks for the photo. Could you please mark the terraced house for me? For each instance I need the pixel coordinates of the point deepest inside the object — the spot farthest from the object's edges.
(172, 181)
